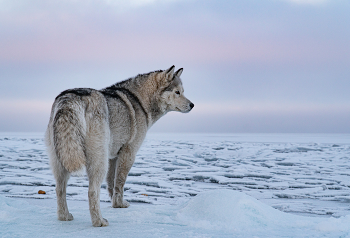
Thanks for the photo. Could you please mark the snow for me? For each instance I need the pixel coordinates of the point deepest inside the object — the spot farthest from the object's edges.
(239, 185)
(245, 216)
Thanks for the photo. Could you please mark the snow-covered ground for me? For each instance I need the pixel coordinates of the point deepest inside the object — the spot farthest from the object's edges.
(229, 185)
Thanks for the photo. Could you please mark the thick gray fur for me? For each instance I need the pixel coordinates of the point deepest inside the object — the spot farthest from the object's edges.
(102, 130)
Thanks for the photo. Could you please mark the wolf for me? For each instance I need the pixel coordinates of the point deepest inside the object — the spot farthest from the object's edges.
(101, 131)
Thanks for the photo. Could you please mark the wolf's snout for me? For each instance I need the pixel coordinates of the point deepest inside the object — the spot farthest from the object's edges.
(191, 105)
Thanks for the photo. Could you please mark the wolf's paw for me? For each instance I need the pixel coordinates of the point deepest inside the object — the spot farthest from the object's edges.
(123, 204)
(119, 202)
(100, 223)
(63, 217)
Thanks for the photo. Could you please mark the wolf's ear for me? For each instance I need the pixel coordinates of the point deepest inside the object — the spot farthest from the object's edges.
(169, 73)
(171, 69)
(179, 72)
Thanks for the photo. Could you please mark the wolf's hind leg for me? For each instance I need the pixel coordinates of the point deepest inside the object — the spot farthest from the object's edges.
(96, 171)
(62, 176)
(94, 204)
(111, 176)
(126, 158)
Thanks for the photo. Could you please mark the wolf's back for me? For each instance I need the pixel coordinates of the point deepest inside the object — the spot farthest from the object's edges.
(66, 132)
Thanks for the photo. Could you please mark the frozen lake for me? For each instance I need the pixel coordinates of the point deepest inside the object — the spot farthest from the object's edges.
(229, 185)
(305, 174)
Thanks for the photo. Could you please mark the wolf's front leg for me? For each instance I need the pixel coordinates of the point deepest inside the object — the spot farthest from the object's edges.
(126, 158)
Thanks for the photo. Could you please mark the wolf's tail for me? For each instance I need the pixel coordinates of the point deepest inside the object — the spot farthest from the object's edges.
(68, 135)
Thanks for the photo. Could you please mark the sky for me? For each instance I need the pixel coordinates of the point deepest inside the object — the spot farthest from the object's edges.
(253, 66)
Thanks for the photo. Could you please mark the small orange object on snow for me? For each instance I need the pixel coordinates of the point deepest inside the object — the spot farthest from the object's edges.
(41, 192)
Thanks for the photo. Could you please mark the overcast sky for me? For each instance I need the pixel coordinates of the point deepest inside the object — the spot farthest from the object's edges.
(249, 65)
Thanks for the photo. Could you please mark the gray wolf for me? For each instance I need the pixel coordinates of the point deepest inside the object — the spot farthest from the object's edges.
(102, 130)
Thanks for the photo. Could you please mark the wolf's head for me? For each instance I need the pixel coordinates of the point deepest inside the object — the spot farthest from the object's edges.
(171, 91)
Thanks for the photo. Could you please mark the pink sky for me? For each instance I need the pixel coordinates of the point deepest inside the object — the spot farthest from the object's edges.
(264, 57)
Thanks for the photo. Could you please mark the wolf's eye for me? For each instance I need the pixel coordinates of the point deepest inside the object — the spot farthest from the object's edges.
(177, 92)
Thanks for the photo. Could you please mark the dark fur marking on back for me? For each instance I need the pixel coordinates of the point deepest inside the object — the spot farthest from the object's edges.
(134, 98)
(111, 91)
(77, 91)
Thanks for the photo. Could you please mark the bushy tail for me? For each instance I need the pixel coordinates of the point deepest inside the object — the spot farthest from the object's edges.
(69, 130)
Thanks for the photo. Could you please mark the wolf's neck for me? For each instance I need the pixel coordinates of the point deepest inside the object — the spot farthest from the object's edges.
(147, 93)
(145, 90)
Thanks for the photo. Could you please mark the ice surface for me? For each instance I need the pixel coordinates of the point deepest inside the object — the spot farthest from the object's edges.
(215, 213)
(268, 173)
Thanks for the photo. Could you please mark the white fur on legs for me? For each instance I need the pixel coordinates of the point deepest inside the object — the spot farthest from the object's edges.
(94, 204)
(95, 175)
(62, 176)
(95, 180)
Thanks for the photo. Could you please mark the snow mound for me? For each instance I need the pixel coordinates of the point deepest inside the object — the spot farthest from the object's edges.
(235, 211)
(228, 209)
